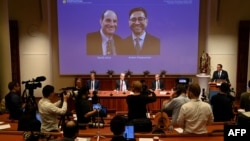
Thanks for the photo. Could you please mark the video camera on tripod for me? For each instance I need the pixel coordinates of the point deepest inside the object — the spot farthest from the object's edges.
(30, 85)
(34, 83)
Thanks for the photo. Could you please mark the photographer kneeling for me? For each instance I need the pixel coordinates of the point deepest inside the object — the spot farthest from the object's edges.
(49, 111)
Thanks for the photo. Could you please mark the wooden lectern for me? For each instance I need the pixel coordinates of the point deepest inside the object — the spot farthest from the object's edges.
(214, 88)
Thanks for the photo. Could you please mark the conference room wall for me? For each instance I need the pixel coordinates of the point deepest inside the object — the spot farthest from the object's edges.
(218, 33)
(5, 59)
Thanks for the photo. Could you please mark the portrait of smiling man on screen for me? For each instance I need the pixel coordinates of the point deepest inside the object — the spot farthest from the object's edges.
(105, 41)
(140, 42)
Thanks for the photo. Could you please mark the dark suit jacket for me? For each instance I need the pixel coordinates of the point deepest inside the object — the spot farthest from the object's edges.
(151, 46)
(153, 85)
(94, 43)
(96, 85)
(117, 84)
(224, 76)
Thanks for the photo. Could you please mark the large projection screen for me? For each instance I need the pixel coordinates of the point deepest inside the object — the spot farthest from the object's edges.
(174, 22)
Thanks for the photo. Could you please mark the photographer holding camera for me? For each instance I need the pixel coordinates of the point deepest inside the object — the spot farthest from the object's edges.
(49, 110)
(83, 107)
(137, 102)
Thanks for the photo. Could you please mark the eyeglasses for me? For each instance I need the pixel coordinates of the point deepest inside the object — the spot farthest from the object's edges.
(140, 19)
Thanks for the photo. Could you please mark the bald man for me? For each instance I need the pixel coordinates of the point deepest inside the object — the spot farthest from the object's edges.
(70, 131)
(105, 41)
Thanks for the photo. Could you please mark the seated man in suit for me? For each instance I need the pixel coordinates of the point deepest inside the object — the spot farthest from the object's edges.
(157, 84)
(121, 84)
(93, 84)
(105, 41)
(220, 74)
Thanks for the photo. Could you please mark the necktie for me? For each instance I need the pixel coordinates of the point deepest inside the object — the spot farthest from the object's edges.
(109, 48)
(92, 85)
(219, 74)
(137, 45)
(158, 84)
(121, 85)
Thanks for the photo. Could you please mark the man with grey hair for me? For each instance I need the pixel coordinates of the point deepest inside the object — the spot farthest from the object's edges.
(122, 83)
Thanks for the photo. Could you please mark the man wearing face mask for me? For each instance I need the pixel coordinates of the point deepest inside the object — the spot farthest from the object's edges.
(140, 42)
(105, 41)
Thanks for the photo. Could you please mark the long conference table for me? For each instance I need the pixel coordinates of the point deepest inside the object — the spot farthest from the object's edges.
(116, 100)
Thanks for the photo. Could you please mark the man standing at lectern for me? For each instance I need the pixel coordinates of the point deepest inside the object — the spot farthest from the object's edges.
(220, 74)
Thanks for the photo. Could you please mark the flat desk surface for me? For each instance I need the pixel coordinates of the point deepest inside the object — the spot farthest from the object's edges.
(115, 93)
(11, 133)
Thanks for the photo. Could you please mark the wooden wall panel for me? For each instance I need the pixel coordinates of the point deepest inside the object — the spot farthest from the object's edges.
(242, 61)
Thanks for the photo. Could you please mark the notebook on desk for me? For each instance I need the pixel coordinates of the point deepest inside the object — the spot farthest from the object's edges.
(82, 139)
(145, 139)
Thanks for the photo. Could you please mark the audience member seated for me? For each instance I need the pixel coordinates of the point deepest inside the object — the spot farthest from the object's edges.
(245, 99)
(195, 115)
(13, 102)
(162, 123)
(137, 102)
(117, 127)
(28, 121)
(49, 110)
(222, 104)
(175, 102)
(83, 108)
(157, 84)
(93, 83)
(70, 131)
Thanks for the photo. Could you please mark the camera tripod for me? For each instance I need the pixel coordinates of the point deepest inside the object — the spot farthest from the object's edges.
(98, 135)
(62, 120)
(29, 99)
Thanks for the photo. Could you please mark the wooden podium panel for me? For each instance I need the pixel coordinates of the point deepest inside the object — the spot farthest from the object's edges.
(214, 87)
